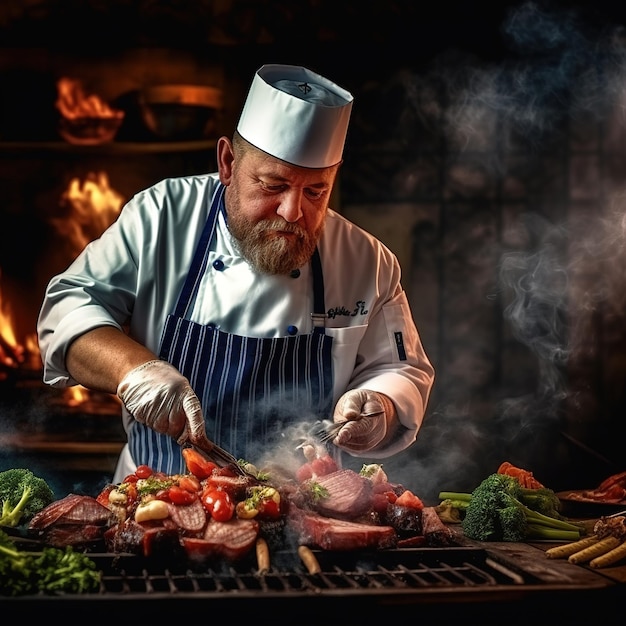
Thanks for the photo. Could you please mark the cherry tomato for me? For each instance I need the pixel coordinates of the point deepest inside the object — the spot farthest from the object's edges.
(269, 509)
(181, 496)
(131, 478)
(200, 467)
(219, 504)
(143, 471)
(189, 483)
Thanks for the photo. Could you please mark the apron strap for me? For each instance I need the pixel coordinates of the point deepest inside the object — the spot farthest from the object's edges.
(201, 255)
(318, 316)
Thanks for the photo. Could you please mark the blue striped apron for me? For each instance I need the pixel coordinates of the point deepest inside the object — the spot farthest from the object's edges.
(250, 388)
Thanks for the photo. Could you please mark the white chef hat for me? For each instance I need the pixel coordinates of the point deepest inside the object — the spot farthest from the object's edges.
(296, 115)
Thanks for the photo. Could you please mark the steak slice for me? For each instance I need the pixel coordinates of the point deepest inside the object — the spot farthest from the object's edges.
(349, 495)
(73, 521)
(190, 518)
(435, 532)
(75, 535)
(73, 509)
(229, 540)
(143, 538)
(335, 534)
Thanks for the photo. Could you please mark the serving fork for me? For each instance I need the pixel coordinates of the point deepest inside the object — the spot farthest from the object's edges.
(327, 429)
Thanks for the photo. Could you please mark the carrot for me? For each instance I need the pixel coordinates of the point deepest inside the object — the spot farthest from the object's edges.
(595, 550)
(560, 552)
(525, 478)
(612, 556)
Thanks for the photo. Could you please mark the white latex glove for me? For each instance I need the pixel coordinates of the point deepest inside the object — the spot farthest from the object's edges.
(159, 396)
(365, 416)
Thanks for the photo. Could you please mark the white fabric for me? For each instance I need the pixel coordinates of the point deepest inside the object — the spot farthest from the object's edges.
(148, 251)
(159, 396)
(362, 413)
(296, 115)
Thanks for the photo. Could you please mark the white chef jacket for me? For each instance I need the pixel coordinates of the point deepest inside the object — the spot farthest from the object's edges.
(131, 277)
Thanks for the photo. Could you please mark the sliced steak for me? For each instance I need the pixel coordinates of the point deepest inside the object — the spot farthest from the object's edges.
(404, 519)
(349, 495)
(75, 535)
(334, 534)
(190, 518)
(73, 521)
(434, 530)
(145, 538)
(229, 540)
(73, 509)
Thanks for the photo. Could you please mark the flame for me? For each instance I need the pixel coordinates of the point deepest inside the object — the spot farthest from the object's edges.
(76, 395)
(11, 353)
(94, 205)
(14, 354)
(73, 103)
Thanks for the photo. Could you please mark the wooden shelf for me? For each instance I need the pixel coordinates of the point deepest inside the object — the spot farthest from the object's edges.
(113, 147)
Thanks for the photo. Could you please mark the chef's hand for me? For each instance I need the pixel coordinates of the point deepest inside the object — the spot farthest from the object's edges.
(159, 396)
(367, 417)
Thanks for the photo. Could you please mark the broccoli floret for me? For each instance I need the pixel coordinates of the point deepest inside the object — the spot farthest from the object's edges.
(497, 512)
(22, 494)
(512, 523)
(543, 500)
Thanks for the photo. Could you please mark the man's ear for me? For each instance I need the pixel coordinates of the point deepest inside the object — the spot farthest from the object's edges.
(225, 158)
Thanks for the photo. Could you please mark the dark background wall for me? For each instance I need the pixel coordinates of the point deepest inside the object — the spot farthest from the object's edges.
(486, 149)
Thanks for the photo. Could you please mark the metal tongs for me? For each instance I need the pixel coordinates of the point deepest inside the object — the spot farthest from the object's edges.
(212, 452)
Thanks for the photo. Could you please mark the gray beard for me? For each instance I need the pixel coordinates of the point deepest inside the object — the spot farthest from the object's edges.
(274, 254)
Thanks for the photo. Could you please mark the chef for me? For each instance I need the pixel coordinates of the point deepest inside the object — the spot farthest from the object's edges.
(233, 305)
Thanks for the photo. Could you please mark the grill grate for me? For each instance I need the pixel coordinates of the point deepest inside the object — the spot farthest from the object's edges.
(501, 585)
(388, 571)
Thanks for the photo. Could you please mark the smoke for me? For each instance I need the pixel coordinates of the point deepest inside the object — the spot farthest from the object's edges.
(524, 133)
(557, 71)
(538, 281)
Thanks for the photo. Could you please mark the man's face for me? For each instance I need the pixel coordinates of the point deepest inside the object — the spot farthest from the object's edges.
(276, 211)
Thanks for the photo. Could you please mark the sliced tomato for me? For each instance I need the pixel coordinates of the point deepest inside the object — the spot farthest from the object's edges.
(189, 483)
(200, 467)
(177, 495)
(103, 496)
(409, 499)
(218, 503)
